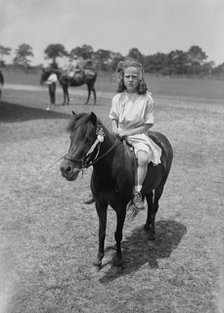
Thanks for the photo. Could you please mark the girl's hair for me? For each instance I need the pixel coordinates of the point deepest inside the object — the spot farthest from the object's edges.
(142, 87)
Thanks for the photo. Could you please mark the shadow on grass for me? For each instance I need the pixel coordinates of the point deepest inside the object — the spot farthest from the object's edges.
(137, 251)
(11, 112)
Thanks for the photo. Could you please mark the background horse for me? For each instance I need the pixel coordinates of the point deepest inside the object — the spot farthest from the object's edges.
(113, 176)
(79, 78)
(1, 82)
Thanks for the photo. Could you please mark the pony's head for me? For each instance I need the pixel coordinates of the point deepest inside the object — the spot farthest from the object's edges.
(83, 134)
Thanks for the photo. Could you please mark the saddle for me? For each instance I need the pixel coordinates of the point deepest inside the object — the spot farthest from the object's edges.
(131, 152)
(78, 76)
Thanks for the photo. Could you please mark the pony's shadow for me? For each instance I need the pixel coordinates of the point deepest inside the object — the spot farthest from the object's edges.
(137, 251)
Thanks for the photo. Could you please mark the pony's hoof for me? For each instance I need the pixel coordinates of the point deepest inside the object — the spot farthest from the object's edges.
(97, 262)
(117, 261)
(151, 237)
(146, 227)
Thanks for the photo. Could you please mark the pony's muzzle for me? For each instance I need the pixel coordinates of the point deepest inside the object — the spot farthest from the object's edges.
(68, 171)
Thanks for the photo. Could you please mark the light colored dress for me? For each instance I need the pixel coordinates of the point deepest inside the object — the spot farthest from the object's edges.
(132, 110)
(52, 79)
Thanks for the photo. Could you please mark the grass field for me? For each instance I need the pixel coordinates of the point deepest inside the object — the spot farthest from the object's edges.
(49, 237)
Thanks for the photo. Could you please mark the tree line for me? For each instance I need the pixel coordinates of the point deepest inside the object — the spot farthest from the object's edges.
(192, 62)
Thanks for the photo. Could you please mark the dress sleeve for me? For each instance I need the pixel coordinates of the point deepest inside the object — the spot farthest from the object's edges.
(113, 114)
(149, 116)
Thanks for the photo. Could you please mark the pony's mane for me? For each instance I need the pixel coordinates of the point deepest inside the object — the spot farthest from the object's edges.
(76, 120)
(80, 119)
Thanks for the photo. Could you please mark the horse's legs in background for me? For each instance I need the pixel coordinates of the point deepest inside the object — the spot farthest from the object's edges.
(66, 94)
(102, 214)
(118, 235)
(89, 93)
(94, 94)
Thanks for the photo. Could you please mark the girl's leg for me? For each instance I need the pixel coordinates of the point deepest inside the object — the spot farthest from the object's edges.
(143, 160)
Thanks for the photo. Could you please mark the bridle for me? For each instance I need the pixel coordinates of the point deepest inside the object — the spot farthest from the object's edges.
(86, 161)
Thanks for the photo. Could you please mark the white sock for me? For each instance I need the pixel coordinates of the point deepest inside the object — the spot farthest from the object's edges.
(138, 188)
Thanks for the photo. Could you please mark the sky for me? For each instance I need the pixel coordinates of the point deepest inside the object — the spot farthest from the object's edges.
(118, 25)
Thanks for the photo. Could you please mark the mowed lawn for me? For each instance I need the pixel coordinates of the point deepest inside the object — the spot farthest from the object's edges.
(49, 238)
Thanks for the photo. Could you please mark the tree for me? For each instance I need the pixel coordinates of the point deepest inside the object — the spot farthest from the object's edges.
(196, 58)
(86, 52)
(116, 58)
(22, 53)
(135, 54)
(103, 59)
(218, 70)
(53, 51)
(177, 62)
(157, 63)
(4, 51)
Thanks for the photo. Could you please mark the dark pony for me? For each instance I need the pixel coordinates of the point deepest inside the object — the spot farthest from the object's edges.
(2, 81)
(113, 175)
(80, 77)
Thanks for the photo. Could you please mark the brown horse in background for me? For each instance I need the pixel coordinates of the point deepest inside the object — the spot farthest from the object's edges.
(80, 77)
(113, 174)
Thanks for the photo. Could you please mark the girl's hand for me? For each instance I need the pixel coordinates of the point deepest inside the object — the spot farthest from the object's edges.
(123, 133)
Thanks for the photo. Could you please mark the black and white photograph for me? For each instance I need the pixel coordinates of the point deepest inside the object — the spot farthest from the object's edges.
(111, 156)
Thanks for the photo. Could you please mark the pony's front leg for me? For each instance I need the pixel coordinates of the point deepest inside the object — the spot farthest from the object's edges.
(102, 214)
(121, 213)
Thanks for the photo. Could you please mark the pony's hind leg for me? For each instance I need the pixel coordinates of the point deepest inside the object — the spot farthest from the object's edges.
(149, 219)
(153, 205)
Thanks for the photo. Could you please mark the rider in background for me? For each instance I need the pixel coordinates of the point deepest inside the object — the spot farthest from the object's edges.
(74, 67)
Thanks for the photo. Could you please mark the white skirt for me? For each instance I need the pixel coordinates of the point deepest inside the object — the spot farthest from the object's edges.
(142, 142)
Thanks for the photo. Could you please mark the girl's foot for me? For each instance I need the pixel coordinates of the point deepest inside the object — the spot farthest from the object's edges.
(90, 199)
(137, 201)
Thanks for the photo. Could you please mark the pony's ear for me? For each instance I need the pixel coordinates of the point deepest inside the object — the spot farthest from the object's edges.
(93, 118)
(73, 112)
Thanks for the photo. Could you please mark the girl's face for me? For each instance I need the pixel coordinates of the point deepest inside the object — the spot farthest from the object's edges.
(131, 79)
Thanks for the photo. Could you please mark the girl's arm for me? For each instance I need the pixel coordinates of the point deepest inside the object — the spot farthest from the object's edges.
(115, 127)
